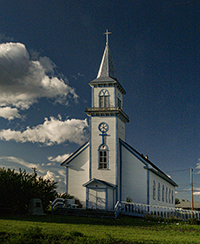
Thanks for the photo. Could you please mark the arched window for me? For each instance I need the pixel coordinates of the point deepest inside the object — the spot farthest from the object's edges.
(103, 157)
(103, 98)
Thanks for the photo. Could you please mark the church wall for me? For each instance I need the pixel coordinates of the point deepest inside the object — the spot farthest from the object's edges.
(111, 199)
(133, 177)
(109, 174)
(78, 174)
(158, 195)
(121, 129)
(119, 95)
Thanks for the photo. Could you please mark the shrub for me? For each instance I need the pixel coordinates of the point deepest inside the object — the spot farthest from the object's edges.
(17, 188)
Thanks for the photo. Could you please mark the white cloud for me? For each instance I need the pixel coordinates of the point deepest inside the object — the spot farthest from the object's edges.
(51, 164)
(23, 81)
(9, 113)
(198, 164)
(49, 176)
(59, 158)
(47, 64)
(62, 172)
(198, 167)
(21, 162)
(52, 131)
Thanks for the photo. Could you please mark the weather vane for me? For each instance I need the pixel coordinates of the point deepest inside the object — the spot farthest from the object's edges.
(107, 33)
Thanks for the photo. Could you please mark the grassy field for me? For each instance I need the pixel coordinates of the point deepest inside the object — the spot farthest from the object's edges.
(66, 229)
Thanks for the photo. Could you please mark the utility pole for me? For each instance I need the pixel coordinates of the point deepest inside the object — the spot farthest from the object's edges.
(192, 200)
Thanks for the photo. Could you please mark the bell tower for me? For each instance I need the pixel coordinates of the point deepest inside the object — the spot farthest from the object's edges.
(107, 121)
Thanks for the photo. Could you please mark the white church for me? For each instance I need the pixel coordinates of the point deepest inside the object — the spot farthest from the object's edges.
(106, 169)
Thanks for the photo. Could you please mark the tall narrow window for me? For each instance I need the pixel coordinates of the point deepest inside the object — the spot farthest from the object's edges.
(103, 157)
(166, 194)
(163, 193)
(172, 196)
(119, 102)
(101, 102)
(104, 98)
(158, 191)
(154, 189)
(169, 195)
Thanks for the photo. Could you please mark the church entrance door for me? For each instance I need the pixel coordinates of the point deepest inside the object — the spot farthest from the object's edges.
(97, 199)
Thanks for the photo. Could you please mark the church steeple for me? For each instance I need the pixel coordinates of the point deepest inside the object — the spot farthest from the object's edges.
(107, 74)
(107, 92)
(107, 68)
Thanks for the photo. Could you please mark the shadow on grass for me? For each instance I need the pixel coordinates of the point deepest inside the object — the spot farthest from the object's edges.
(124, 221)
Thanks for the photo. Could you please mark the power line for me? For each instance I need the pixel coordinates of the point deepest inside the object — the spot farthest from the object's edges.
(179, 170)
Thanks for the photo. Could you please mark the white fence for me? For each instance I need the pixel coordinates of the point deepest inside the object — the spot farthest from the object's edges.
(60, 203)
(141, 210)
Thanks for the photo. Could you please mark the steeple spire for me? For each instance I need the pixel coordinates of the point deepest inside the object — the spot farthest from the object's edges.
(107, 68)
(107, 74)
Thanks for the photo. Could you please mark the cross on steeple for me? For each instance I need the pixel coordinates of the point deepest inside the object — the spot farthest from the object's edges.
(107, 33)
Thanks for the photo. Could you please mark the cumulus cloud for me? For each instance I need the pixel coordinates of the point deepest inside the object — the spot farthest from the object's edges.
(52, 131)
(9, 113)
(23, 81)
(49, 176)
(59, 158)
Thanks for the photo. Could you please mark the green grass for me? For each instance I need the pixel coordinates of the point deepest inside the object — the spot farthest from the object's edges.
(66, 229)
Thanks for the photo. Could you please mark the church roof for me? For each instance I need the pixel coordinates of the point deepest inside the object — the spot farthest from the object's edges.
(102, 182)
(75, 154)
(107, 74)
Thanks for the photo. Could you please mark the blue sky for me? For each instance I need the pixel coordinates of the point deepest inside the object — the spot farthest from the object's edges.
(50, 50)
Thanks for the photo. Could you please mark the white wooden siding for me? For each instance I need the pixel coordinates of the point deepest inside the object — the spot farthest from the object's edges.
(153, 177)
(121, 129)
(110, 140)
(134, 178)
(78, 174)
(111, 199)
